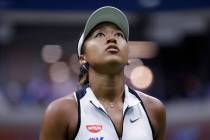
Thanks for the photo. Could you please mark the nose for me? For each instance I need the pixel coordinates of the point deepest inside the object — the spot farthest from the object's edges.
(111, 39)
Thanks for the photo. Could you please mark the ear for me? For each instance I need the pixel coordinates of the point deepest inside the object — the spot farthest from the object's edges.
(82, 59)
(128, 63)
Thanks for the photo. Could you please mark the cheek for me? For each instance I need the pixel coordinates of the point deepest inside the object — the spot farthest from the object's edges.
(122, 43)
(125, 48)
(92, 48)
(126, 51)
(92, 44)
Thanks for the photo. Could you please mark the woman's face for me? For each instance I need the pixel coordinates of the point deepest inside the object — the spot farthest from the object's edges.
(106, 45)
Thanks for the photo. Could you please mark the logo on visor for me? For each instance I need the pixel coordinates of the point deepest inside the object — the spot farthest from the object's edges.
(94, 128)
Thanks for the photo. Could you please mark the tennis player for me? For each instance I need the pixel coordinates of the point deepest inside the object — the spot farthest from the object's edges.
(104, 108)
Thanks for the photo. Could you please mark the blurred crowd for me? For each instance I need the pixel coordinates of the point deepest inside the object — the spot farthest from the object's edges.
(40, 91)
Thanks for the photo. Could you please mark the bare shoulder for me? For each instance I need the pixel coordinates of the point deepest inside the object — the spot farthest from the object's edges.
(62, 104)
(60, 118)
(156, 112)
(152, 103)
(64, 109)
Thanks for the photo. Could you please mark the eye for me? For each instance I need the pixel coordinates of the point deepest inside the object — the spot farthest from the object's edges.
(100, 34)
(119, 34)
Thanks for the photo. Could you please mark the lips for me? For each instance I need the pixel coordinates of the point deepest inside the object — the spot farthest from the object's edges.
(112, 49)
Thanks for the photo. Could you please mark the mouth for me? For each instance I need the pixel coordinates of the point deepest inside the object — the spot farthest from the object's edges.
(112, 49)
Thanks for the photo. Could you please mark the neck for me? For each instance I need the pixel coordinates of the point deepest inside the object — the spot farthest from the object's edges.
(105, 86)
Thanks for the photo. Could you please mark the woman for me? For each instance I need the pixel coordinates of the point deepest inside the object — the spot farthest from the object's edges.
(104, 108)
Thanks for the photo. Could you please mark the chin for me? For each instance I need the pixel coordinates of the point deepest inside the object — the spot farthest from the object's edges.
(111, 64)
(115, 63)
(114, 60)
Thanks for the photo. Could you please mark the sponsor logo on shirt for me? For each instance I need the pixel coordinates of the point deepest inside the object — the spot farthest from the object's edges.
(94, 129)
(96, 138)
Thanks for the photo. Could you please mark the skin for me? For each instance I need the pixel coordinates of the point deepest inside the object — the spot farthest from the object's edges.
(106, 78)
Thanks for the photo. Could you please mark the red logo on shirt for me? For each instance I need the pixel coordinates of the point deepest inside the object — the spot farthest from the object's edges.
(94, 128)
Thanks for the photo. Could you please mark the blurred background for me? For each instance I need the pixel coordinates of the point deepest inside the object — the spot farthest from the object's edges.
(38, 61)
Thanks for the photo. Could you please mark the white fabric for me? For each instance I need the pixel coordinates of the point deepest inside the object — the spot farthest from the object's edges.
(135, 125)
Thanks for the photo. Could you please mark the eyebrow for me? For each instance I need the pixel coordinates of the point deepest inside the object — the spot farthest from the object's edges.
(100, 27)
(103, 28)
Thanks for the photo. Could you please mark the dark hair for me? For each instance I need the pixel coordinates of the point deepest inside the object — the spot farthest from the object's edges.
(83, 75)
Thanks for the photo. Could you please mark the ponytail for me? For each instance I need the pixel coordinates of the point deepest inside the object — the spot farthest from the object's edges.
(83, 76)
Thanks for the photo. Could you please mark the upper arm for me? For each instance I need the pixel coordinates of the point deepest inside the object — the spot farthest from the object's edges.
(54, 124)
(157, 114)
(160, 114)
(56, 120)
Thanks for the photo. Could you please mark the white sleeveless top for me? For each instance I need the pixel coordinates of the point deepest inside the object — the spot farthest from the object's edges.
(95, 124)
